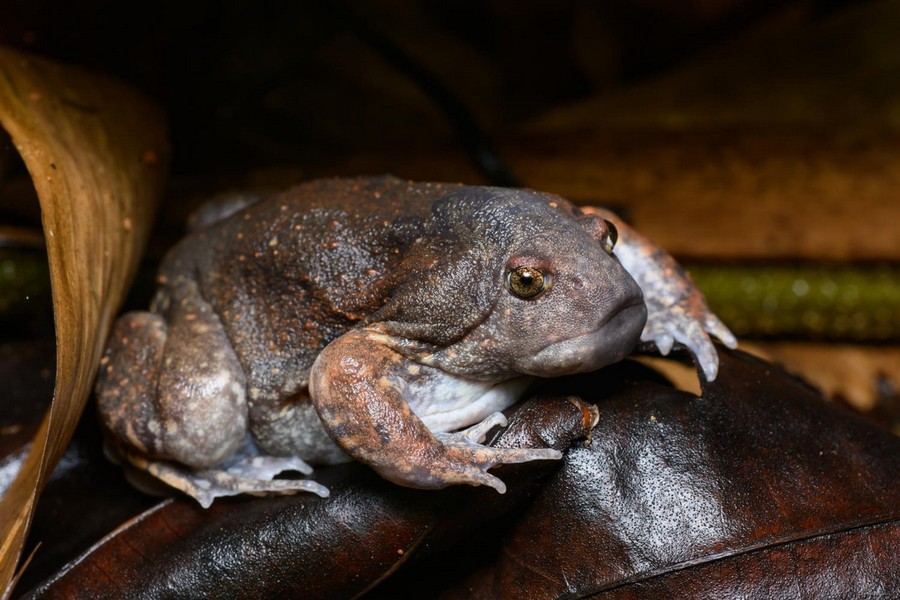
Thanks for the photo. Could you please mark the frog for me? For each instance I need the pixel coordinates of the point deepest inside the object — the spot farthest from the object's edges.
(379, 320)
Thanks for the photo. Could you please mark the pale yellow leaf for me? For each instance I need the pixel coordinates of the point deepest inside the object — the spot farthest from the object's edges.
(97, 153)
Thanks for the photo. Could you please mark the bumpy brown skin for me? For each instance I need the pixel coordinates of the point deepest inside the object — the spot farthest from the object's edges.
(384, 300)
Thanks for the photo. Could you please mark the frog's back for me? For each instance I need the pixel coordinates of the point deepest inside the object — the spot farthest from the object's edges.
(292, 272)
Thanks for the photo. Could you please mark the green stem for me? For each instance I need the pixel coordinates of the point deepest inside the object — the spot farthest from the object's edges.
(853, 303)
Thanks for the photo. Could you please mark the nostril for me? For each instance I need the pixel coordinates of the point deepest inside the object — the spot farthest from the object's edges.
(578, 283)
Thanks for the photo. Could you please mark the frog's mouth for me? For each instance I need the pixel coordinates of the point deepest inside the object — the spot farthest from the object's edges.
(610, 342)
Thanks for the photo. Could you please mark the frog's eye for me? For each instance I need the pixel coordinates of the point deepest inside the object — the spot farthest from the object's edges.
(610, 237)
(527, 282)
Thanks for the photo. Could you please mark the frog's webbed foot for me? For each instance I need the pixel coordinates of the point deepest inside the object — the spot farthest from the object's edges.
(463, 458)
(688, 321)
(478, 432)
(253, 475)
(267, 467)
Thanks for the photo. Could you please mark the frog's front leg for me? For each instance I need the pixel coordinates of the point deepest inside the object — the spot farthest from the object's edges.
(676, 310)
(361, 387)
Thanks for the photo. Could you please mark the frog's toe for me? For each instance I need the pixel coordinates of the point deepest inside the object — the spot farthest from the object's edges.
(475, 472)
(476, 433)
(693, 331)
(267, 467)
(208, 484)
(224, 484)
(459, 460)
(464, 458)
(689, 332)
(696, 335)
(716, 327)
(705, 355)
(664, 342)
(474, 475)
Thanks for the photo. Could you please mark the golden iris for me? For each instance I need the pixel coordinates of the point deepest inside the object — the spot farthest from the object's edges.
(526, 282)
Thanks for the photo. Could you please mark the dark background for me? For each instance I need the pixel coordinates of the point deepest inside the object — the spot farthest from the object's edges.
(256, 84)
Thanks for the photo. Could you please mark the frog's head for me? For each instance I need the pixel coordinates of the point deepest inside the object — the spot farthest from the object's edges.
(515, 282)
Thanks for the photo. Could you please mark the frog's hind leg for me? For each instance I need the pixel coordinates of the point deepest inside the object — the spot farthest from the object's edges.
(174, 397)
(176, 391)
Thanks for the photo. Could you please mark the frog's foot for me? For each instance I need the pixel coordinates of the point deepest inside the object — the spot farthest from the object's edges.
(205, 485)
(690, 323)
(267, 467)
(476, 433)
(463, 459)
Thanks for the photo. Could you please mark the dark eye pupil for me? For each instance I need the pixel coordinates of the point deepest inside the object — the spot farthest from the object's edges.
(525, 282)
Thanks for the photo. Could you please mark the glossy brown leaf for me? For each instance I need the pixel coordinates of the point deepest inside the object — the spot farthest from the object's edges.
(303, 546)
(96, 152)
(758, 489)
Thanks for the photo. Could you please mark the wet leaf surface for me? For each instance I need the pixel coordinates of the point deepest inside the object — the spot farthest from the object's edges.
(757, 489)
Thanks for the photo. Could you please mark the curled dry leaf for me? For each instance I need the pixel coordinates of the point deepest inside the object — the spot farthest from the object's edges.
(96, 151)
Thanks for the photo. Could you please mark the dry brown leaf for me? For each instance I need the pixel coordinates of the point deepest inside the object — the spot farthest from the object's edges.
(96, 151)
